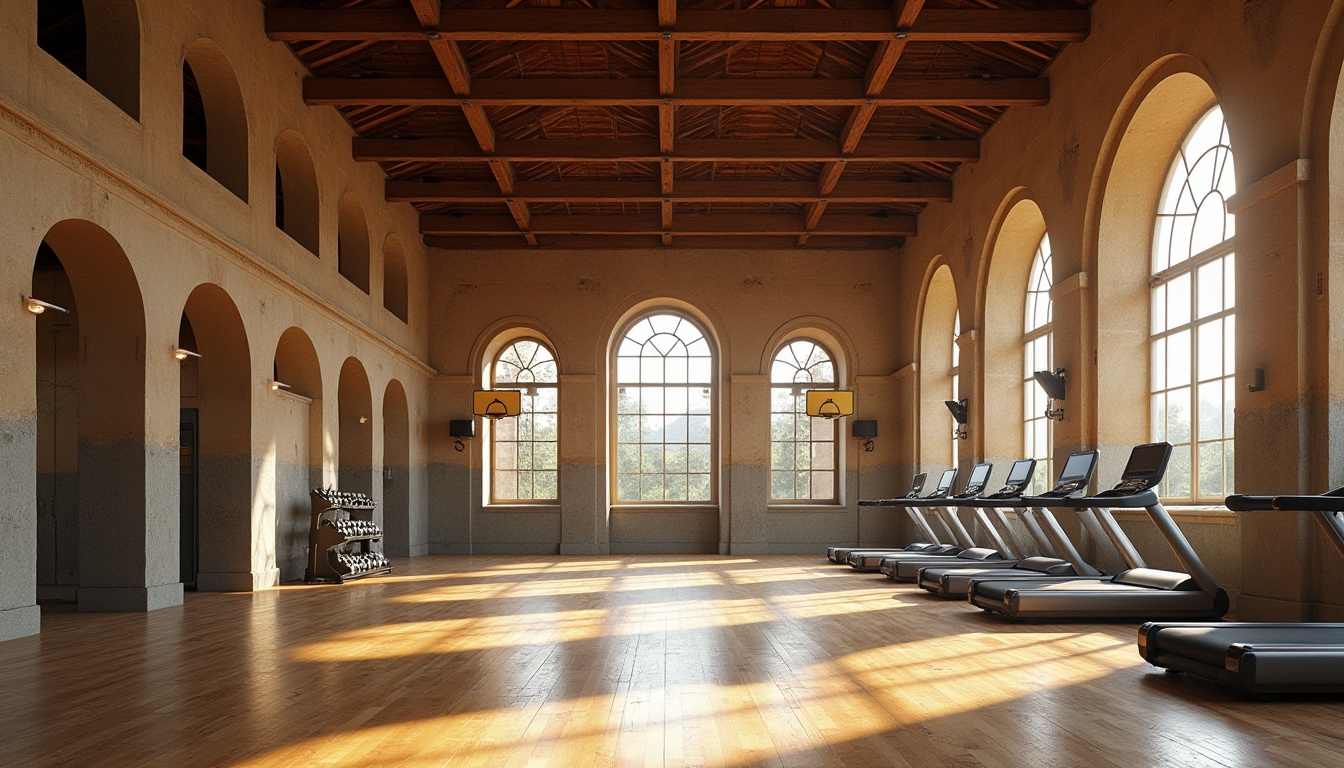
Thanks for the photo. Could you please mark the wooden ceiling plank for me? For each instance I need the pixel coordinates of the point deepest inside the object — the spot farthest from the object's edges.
(639, 242)
(778, 24)
(721, 191)
(904, 14)
(603, 92)
(449, 150)
(667, 14)
(724, 224)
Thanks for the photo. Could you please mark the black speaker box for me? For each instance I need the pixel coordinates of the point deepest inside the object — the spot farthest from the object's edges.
(461, 427)
(865, 427)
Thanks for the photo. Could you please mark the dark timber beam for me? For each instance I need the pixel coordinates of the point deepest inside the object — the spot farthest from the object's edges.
(778, 24)
(645, 242)
(726, 191)
(742, 92)
(648, 151)
(718, 224)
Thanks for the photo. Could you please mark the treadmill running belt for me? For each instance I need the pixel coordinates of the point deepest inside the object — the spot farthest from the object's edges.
(1208, 645)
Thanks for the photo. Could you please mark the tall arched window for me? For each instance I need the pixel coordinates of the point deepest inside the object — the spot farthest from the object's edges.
(525, 463)
(955, 373)
(803, 452)
(664, 411)
(1193, 322)
(1038, 355)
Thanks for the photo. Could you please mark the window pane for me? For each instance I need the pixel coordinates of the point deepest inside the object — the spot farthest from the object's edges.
(627, 400)
(1210, 288)
(698, 429)
(674, 429)
(675, 458)
(1229, 345)
(651, 459)
(627, 458)
(1178, 415)
(545, 485)
(675, 486)
(1229, 406)
(1178, 359)
(781, 485)
(651, 487)
(781, 426)
(697, 458)
(1159, 367)
(1211, 410)
(1178, 474)
(627, 430)
(1159, 309)
(697, 487)
(627, 487)
(823, 485)
(1158, 426)
(1178, 301)
(506, 484)
(1210, 350)
(781, 456)
(1211, 471)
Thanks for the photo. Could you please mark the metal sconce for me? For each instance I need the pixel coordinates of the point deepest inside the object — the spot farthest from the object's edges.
(1053, 383)
(38, 306)
(960, 415)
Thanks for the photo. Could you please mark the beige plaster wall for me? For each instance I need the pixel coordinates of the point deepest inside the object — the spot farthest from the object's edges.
(752, 302)
(66, 152)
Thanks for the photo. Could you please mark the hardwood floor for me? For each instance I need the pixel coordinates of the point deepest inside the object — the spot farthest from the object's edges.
(633, 660)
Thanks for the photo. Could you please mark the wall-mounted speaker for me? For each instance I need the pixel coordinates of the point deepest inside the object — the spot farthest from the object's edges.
(865, 428)
(462, 428)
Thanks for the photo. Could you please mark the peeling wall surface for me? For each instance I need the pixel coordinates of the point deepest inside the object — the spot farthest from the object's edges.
(141, 236)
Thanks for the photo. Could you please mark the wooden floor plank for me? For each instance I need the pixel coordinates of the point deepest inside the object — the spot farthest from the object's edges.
(650, 660)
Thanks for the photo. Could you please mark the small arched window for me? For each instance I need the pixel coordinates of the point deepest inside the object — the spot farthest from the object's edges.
(803, 456)
(1038, 355)
(1193, 336)
(664, 411)
(99, 42)
(525, 463)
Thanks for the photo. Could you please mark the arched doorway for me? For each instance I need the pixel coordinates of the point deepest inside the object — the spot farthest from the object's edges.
(396, 502)
(91, 442)
(217, 532)
(296, 387)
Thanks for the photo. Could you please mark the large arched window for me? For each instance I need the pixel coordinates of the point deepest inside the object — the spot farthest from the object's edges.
(664, 411)
(803, 452)
(1193, 322)
(1038, 355)
(525, 463)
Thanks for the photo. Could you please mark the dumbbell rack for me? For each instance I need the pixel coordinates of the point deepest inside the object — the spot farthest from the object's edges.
(341, 538)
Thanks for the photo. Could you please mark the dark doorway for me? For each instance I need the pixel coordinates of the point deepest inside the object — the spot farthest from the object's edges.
(188, 471)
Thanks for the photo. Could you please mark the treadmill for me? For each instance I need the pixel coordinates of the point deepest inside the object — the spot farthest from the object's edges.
(914, 507)
(837, 554)
(1261, 658)
(951, 580)
(946, 515)
(1137, 592)
(998, 530)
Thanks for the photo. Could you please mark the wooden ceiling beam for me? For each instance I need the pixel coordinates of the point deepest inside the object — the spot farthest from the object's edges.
(741, 92)
(614, 192)
(458, 79)
(429, 12)
(777, 24)
(904, 14)
(451, 150)
(645, 242)
(718, 224)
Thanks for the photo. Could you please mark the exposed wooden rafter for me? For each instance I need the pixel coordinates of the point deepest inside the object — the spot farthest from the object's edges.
(678, 124)
(648, 151)
(772, 25)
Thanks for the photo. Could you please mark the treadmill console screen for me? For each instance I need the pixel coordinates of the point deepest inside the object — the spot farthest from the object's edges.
(1147, 462)
(918, 485)
(1020, 472)
(945, 482)
(1078, 467)
(979, 476)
